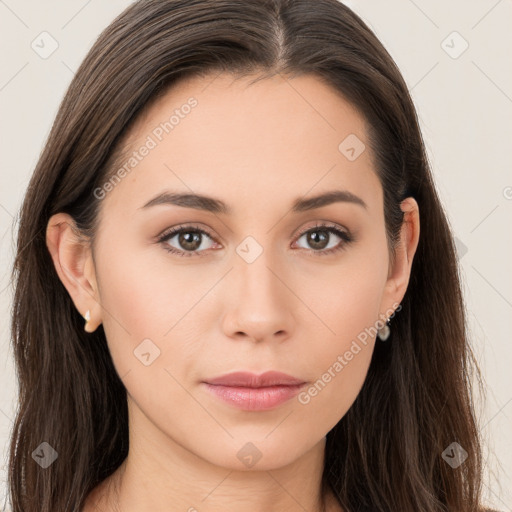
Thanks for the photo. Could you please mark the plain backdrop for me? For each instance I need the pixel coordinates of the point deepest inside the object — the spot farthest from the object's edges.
(455, 58)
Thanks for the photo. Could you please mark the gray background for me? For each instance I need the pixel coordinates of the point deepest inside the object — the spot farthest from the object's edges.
(464, 101)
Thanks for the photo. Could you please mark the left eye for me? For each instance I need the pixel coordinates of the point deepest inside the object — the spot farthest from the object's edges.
(318, 236)
(191, 240)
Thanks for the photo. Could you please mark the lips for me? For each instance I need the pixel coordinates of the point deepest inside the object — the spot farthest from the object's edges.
(252, 380)
(251, 392)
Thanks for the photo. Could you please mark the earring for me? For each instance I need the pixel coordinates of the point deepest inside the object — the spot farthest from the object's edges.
(384, 333)
(87, 317)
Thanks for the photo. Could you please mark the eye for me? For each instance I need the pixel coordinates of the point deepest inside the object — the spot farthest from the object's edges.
(191, 239)
(319, 238)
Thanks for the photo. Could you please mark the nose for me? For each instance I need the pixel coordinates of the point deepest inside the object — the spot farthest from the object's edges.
(259, 303)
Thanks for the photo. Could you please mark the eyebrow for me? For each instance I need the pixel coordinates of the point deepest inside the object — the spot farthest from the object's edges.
(210, 204)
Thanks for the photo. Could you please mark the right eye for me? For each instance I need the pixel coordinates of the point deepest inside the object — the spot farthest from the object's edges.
(189, 237)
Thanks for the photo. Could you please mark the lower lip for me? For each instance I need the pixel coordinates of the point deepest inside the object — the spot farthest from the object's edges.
(254, 399)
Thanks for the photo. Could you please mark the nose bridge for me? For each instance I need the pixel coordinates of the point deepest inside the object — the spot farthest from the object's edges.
(256, 265)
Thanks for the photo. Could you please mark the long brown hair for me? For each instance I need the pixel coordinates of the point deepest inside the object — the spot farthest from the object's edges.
(385, 454)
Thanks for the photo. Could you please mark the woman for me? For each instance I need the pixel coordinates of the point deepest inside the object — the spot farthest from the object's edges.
(230, 197)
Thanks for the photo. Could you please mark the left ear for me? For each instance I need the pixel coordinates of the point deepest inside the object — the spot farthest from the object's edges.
(400, 269)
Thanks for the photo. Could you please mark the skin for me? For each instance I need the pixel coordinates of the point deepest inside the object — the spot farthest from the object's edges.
(258, 148)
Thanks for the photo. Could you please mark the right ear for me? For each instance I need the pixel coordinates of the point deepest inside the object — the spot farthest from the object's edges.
(72, 257)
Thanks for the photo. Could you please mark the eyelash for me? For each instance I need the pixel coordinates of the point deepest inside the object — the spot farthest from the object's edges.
(345, 236)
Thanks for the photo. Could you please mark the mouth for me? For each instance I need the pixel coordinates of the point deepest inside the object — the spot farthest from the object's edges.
(251, 392)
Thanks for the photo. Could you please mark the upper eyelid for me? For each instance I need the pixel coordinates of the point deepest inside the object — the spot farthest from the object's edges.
(176, 229)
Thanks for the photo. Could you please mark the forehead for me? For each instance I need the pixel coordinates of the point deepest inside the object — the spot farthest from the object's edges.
(250, 141)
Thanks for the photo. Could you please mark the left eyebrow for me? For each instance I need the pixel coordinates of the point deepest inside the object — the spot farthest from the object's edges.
(334, 196)
(211, 204)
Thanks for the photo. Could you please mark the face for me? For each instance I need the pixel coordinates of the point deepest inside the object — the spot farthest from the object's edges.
(270, 281)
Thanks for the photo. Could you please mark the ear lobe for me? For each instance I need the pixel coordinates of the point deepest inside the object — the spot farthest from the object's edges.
(70, 255)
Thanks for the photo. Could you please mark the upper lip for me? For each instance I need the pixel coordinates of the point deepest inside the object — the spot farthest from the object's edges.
(252, 380)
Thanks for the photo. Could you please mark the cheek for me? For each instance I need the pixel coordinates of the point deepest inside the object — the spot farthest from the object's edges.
(150, 318)
(138, 304)
(348, 306)
(342, 359)
(332, 394)
(346, 301)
